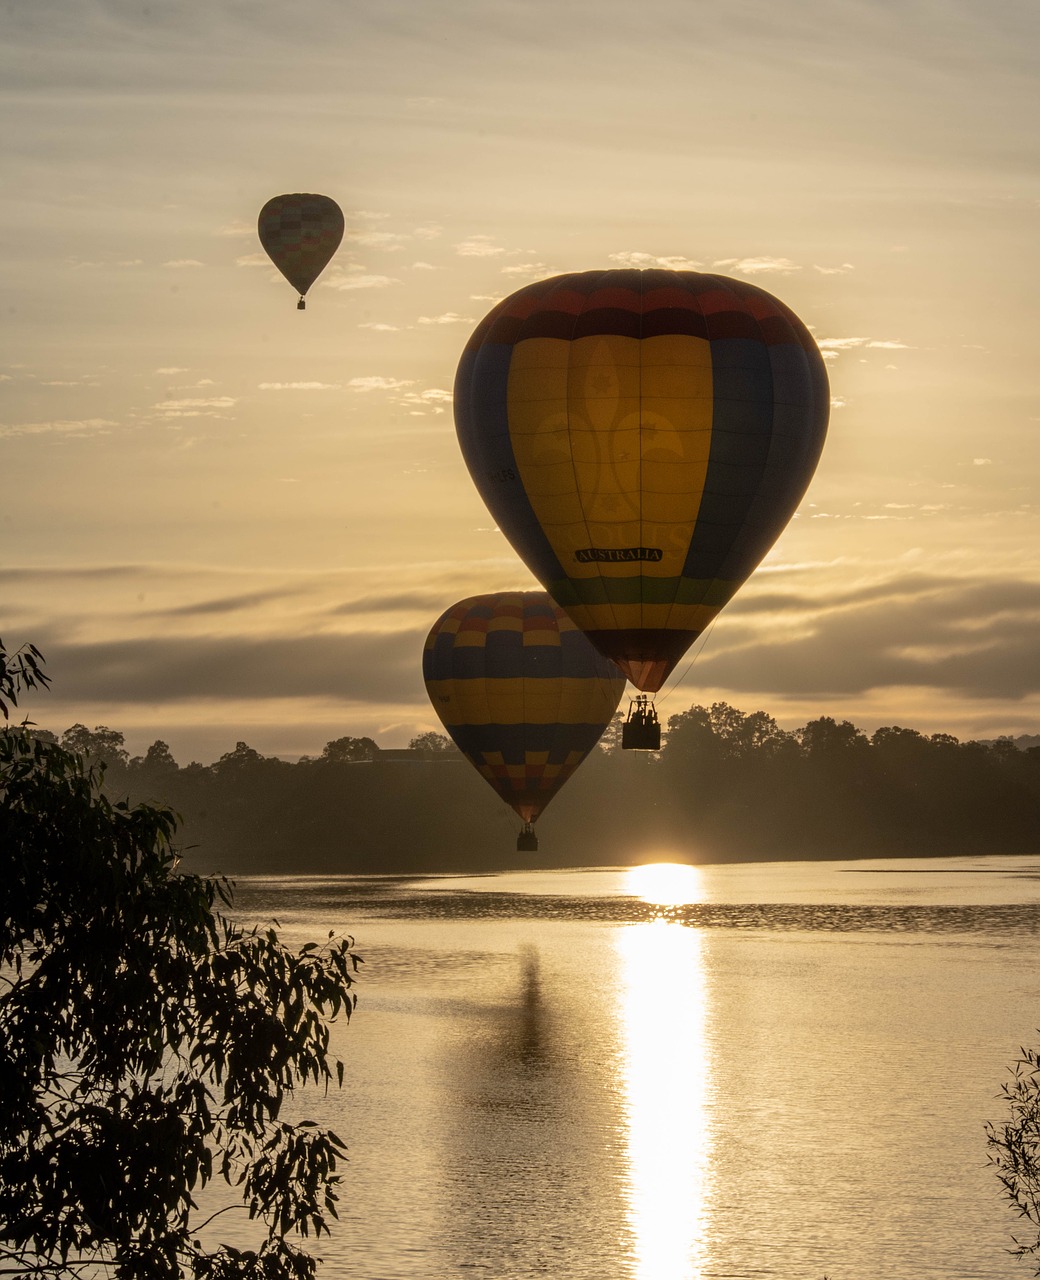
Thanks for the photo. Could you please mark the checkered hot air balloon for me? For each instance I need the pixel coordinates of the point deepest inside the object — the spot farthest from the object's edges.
(300, 233)
(522, 693)
(641, 438)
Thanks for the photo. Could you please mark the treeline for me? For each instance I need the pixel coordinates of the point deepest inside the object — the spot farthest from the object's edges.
(726, 786)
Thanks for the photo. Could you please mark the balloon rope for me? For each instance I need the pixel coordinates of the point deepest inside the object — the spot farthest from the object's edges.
(666, 694)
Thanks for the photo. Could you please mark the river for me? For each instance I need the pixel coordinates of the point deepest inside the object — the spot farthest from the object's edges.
(675, 1073)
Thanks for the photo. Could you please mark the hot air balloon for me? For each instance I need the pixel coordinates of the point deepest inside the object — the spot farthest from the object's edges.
(300, 234)
(641, 438)
(522, 693)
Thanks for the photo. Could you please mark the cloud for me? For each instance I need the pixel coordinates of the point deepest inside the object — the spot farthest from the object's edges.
(361, 281)
(831, 348)
(184, 262)
(428, 232)
(298, 386)
(424, 266)
(225, 604)
(478, 247)
(195, 406)
(834, 271)
(973, 637)
(379, 384)
(758, 266)
(121, 262)
(389, 241)
(237, 228)
(253, 260)
(528, 270)
(982, 462)
(412, 601)
(75, 573)
(379, 326)
(643, 260)
(199, 402)
(376, 666)
(171, 369)
(434, 398)
(61, 427)
(813, 632)
(449, 317)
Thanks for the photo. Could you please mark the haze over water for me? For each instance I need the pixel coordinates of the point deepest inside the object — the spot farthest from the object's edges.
(776, 1070)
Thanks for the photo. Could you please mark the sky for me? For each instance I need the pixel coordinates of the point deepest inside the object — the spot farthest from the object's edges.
(224, 519)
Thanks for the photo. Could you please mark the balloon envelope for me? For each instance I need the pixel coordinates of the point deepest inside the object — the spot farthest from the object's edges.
(520, 690)
(641, 438)
(300, 233)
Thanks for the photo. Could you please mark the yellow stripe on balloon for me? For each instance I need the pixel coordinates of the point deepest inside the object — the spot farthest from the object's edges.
(626, 424)
(546, 700)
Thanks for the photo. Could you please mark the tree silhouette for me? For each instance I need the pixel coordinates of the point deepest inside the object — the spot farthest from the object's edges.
(349, 750)
(102, 745)
(147, 1043)
(158, 759)
(432, 744)
(726, 784)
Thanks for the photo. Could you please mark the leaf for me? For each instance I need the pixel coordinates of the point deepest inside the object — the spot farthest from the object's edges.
(149, 1051)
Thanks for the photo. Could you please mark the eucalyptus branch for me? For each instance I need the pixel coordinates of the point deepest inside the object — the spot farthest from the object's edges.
(228, 1208)
(151, 1048)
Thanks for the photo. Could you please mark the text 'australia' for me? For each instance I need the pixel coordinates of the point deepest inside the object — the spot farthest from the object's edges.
(589, 555)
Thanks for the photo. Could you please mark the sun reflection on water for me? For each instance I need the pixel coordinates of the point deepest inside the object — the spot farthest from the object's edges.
(665, 884)
(665, 1078)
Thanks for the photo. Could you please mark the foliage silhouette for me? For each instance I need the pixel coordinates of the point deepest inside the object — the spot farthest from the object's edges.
(432, 744)
(147, 1043)
(100, 746)
(1015, 1150)
(20, 670)
(349, 750)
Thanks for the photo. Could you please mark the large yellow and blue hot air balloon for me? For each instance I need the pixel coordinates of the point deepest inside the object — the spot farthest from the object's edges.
(522, 693)
(641, 438)
(300, 233)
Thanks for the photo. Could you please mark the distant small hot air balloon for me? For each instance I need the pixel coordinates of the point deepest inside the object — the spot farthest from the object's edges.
(641, 438)
(300, 234)
(522, 693)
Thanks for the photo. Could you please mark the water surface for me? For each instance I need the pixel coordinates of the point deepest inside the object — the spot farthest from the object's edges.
(763, 1070)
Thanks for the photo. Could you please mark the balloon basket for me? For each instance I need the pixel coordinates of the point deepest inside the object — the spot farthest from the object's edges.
(642, 729)
(301, 305)
(527, 841)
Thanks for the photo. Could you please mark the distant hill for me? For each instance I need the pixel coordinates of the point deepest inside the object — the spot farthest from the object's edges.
(1024, 741)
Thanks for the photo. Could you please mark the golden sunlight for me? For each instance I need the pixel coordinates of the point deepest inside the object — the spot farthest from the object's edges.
(665, 884)
(665, 1077)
